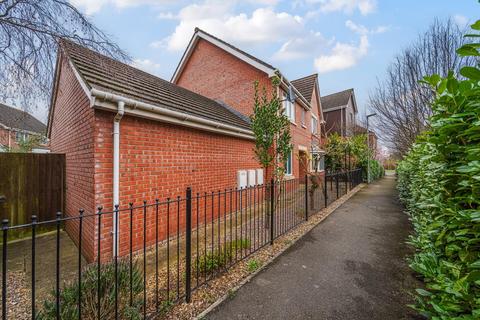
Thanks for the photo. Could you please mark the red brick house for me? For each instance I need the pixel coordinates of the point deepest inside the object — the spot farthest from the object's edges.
(129, 136)
(340, 112)
(220, 71)
(16, 126)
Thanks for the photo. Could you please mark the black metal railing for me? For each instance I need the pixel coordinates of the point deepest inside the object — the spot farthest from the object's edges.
(163, 252)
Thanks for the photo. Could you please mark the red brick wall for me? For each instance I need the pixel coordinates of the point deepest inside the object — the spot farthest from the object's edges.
(159, 160)
(4, 133)
(72, 134)
(216, 74)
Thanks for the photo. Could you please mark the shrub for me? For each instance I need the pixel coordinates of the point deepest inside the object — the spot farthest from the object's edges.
(218, 259)
(439, 182)
(69, 294)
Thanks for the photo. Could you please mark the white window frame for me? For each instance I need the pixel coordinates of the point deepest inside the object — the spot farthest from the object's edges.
(288, 108)
(314, 124)
(303, 119)
(287, 166)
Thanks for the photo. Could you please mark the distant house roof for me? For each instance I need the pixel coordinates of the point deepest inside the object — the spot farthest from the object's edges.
(306, 85)
(336, 100)
(14, 118)
(103, 73)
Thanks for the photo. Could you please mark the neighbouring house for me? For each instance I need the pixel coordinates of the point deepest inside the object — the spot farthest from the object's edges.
(129, 136)
(17, 126)
(218, 70)
(340, 112)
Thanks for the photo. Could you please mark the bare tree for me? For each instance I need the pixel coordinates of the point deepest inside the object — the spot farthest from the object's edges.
(402, 103)
(29, 33)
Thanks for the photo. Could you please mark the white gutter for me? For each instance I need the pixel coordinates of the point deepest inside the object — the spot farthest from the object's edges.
(116, 170)
(174, 116)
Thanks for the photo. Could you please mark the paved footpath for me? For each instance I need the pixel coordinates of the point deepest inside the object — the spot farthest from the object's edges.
(351, 266)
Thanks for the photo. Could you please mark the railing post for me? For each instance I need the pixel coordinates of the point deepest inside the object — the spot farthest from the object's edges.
(306, 197)
(325, 190)
(33, 224)
(188, 249)
(4, 268)
(336, 183)
(272, 209)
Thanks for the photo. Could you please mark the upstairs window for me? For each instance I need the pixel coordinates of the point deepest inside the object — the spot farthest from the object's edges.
(314, 124)
(288, 108)
(304, 115)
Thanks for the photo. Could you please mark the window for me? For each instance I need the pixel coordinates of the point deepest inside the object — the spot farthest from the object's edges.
(288, 108)
(314, 124)
(21, 136)
(318, 163)
(288, 164)
(304, 115)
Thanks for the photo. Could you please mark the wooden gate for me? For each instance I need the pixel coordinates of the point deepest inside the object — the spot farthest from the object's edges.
(31, 184)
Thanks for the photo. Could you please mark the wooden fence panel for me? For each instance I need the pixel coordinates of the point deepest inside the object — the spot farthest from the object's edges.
(31, 183)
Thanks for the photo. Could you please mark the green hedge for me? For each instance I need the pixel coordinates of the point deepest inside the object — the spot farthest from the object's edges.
(439, 182)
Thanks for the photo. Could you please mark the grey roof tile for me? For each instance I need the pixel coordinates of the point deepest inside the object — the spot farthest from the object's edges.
(106, 74)
(336, 99)
(21, 120)
(306, 85)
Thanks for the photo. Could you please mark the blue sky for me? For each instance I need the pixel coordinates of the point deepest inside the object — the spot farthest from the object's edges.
(348, 42)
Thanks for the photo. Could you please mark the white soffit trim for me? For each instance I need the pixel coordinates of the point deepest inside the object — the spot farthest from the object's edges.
(80, 79)
(335, 108)
(143, 110)
(199, 34)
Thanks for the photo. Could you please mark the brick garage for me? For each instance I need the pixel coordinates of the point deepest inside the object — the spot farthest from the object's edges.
(157, 159)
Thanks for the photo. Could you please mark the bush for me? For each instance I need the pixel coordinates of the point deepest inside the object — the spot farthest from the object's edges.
(219, 258)
(439, 182)
(69, 294)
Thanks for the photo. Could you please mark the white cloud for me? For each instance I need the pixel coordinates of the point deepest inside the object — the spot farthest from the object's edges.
(301, 47)
(361, 29)
(460, 20)
(348, 6)
(93, 6)
(262, 26)
(343, 56)
(146, 65)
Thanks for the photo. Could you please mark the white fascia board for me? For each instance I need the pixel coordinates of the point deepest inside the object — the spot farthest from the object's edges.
(185, 121)
(199, 34)
(335, 108)
(80, 80)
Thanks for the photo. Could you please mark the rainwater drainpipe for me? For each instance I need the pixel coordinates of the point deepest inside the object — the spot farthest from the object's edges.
(116, 170)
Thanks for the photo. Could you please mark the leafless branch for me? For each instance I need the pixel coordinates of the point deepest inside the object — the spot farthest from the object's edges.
(402, 103)
(29, 33)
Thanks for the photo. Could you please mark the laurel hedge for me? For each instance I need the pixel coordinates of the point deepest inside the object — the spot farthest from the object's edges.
(439, 182)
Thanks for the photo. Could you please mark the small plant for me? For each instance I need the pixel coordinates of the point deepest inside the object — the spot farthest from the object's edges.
(219, 258)
(253, 265)
(69, 294)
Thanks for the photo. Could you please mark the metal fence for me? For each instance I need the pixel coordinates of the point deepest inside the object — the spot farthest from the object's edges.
(165, 250)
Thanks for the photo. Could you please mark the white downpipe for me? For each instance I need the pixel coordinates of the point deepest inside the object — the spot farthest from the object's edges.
(116, 171)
